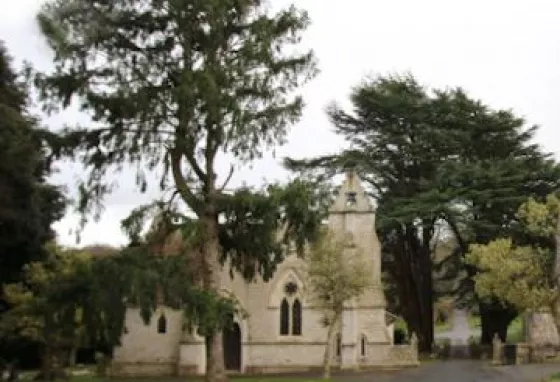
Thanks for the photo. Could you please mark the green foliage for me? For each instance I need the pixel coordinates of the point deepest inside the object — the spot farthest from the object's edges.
(540, 218)
(28, 205)
(436, 158)
(512, 274)
(71, 298)
(335, 275)
(173, 83)
(45, 307)
(516, 331)
(260, 227)
(522, 275)
(255, 231)
(170, 85)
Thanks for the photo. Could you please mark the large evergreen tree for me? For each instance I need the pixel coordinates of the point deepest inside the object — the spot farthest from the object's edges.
(436, 158)
(28, 205)
(497, 168)
(171, 84)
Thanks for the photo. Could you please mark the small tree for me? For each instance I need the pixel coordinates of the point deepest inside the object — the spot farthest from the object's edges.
(513, 274)
(45, 307)
(334, 280)
(525, 276)
(72, 299)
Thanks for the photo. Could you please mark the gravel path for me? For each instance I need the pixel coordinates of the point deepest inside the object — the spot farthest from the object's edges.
(460, 331)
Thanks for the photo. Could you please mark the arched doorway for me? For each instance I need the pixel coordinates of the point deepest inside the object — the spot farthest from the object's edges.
(232, 347)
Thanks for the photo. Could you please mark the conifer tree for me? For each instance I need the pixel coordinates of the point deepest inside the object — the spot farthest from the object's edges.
(171, 85)
(437, 158)
(28, 205)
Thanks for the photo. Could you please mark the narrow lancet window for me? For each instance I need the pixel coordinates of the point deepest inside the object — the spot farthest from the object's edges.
(162, 324)
(284, 318)
(296, 318)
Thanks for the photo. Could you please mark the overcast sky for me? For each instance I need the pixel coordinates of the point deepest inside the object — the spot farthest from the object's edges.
(505, 52)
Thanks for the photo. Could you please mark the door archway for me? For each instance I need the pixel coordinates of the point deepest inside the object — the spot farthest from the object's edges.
(232, 347)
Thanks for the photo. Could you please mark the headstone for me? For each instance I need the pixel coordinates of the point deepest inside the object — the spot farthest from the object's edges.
(497, 348)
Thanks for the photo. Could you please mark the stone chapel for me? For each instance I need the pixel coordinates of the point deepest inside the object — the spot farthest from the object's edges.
(282, 330)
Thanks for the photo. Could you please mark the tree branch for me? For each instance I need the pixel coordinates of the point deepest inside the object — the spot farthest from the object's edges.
(188, 196)
(190, 156)
(227, 179)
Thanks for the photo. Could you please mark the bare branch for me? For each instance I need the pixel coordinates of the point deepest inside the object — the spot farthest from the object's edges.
(186, 193)
(231, 169)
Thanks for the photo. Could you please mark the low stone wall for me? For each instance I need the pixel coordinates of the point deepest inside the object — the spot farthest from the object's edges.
(403, 355)
(523, 353)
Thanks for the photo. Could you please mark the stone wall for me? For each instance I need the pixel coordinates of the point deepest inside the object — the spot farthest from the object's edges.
(522, 353)
(272, 358)
(278, 358)
(142, 344)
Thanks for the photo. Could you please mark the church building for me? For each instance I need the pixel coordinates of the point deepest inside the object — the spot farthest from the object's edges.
(282, 330)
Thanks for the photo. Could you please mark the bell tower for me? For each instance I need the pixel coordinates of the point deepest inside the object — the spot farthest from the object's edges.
(352, 216)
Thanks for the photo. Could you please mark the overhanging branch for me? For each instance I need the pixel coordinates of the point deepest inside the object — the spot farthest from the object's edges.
(186, 193)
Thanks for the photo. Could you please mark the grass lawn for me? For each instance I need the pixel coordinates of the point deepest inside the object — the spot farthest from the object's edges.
(554, 377)
(515, 329)
(474, 321)
(441, 327)
(93, 378)
(87, 374)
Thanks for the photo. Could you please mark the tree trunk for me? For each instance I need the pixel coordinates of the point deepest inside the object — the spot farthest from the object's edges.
(47, 372)
(557, 251)
(72, 355)
(215, 369)
(426, 291)
(494, 319)
(415, 296)
(328, 349)
(420, 263)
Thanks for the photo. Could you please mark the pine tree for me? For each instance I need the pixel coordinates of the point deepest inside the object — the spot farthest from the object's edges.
(436, 158)
(28, 204)
(171, 85)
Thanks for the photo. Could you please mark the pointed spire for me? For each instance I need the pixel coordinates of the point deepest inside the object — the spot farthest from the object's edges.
(351, 195)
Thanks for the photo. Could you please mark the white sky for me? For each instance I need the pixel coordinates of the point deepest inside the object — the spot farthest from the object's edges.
(505, 52)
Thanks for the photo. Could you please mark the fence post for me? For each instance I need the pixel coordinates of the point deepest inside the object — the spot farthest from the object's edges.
(414, 346)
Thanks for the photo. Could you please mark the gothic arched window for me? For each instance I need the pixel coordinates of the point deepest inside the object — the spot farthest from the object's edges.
(338, 345)
(296, 318)
(284, 318)
(162, 324)
(363, 346)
